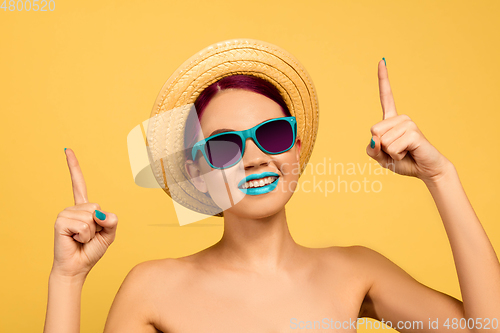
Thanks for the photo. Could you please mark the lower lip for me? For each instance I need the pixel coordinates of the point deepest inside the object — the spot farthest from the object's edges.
(260, 190)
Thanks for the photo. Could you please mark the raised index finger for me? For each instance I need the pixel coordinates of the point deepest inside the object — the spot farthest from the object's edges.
(386, 98)
(79, 187)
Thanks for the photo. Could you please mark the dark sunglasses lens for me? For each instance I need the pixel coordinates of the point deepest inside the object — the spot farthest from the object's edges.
(223, 150)
(275, 136)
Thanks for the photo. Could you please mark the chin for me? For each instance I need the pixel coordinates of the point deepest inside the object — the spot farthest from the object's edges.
(258, 207)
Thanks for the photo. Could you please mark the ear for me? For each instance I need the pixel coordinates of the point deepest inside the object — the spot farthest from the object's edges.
(298, 146)
(195, 175)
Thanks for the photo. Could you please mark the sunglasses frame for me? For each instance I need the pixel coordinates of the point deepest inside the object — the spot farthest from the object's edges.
(244, 135)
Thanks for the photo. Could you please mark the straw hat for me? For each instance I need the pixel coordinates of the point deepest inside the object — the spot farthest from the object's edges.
(165, 137)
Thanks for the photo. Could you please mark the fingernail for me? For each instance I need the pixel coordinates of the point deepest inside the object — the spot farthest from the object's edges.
(100, 215)
(372, 143)
(64, 149)
(385, 62)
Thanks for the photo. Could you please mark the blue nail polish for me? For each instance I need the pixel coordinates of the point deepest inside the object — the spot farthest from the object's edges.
(385, 62)
(372, 143)
(100, 215)
(64, 149)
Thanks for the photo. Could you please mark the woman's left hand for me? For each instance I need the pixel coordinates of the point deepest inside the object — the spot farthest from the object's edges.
(397, 135)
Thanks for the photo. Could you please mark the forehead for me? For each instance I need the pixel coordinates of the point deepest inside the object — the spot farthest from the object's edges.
(238, 110)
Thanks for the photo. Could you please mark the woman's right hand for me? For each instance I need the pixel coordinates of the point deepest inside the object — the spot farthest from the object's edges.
(80, 238)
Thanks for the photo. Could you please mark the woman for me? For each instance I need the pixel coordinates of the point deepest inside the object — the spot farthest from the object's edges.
(256, 278)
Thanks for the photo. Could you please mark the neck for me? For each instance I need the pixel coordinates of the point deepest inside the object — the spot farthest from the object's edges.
(263, 244)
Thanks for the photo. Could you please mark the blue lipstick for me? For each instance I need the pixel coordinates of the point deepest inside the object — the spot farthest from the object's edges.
(261, 189)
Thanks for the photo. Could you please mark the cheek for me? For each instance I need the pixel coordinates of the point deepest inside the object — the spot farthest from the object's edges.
(289, 170)
(217, 189)
(224, 195)
(288, 164)
(214, 182)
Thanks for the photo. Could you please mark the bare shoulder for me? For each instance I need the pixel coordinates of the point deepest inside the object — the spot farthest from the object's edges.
(135, 307)
(373, 261)
(359, 261)
(354, 254)
(393, 293)
(161, 273)
(351, 250)
(366, 268)
(152, 267)
(378, 269)
(369, 261)
(358, 253)
(355, 263)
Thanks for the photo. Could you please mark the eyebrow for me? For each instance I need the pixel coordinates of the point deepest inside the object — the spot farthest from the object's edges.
(222, 130)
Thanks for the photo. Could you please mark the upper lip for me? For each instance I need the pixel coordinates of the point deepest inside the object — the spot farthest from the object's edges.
(257, 176)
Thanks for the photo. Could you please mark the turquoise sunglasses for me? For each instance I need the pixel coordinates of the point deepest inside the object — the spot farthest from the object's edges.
(223, 150)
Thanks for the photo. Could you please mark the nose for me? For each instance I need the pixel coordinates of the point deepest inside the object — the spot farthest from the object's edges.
(253, 156)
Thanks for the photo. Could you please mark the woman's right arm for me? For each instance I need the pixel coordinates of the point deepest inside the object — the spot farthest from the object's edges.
(63, 306)
(82, 234)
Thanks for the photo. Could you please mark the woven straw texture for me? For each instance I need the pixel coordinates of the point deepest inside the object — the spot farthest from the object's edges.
(165, 138)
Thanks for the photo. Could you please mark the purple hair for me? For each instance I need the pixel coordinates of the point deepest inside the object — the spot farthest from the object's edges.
(237, 81)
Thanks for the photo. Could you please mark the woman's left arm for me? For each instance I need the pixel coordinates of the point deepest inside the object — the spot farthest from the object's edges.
(399, 145)
(477, 265)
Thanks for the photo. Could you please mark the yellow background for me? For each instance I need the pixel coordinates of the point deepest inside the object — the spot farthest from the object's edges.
(87, 73)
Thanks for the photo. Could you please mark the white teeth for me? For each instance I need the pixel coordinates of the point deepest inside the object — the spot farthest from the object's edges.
(260, 182)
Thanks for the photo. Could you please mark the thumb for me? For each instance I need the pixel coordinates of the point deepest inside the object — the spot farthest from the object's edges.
(106, 224)
(374, 150)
